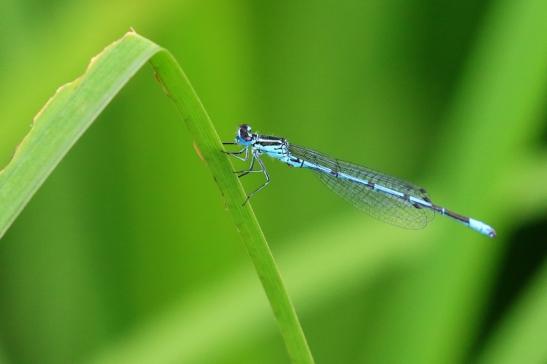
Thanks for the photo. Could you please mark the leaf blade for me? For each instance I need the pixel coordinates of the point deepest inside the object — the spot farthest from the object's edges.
(64, 118)
(75, 106)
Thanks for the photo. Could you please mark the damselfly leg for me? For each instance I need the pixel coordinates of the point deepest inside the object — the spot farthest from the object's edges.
(266, 175)
(254, 155)
(237, 154)
(251, 169)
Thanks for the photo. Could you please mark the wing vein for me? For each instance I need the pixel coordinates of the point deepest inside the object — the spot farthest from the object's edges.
(385, 207)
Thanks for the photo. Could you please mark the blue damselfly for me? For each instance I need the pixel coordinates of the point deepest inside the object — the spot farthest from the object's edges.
(387, 198)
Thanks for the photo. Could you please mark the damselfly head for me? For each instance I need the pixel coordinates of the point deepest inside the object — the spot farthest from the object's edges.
(244, 135)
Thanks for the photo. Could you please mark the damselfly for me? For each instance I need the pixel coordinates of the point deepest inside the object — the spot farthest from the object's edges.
(384, 197)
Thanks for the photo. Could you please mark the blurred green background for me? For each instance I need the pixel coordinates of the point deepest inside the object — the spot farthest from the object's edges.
(126, 254)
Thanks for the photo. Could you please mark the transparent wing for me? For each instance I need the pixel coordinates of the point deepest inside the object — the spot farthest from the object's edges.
(385, 207)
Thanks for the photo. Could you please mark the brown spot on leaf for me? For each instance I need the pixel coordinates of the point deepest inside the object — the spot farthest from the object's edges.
(198, 152)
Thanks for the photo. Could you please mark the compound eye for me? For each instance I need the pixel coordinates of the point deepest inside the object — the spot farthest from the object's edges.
(245, 132)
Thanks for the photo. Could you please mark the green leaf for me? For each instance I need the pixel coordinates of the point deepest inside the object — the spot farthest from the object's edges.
(69, 113)
(520, 337)
(496, 111)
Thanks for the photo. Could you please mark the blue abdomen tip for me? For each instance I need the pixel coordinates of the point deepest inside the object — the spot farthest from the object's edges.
(482, 228)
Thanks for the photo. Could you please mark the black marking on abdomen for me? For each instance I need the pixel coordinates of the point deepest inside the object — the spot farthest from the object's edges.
(438, 209)
(456, 216)
(451, 214)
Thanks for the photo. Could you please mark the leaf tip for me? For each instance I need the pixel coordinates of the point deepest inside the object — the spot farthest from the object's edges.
(98, 56)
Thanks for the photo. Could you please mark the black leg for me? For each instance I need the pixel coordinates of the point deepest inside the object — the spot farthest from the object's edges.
(266, 175)
(237, 153)
(249, 170)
